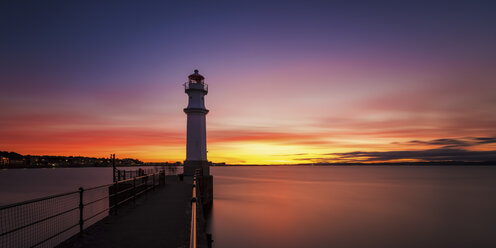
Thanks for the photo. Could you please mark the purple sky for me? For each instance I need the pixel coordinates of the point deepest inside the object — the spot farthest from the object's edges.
(316, 78)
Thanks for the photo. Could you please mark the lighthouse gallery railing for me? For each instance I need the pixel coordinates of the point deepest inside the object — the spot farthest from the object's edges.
(200, 86)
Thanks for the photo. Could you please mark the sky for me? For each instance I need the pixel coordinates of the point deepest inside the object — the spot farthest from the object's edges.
(289, 81)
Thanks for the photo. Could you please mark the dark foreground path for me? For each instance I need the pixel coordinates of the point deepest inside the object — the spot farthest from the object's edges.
(159, 219)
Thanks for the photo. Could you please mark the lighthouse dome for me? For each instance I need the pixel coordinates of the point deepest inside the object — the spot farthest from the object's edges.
(196, 78)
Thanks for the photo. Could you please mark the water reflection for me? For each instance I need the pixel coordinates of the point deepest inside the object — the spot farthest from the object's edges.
(25, 184)
(354, 207)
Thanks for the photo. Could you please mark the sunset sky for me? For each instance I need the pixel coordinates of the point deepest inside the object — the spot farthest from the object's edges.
(289, 81)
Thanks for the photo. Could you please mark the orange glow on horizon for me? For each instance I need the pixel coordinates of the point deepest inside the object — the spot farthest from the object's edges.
(303, 123)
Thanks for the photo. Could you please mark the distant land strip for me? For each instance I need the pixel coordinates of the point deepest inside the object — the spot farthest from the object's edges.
(12, 160)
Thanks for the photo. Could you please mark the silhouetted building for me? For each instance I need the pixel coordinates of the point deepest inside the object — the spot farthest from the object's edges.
(4, 161)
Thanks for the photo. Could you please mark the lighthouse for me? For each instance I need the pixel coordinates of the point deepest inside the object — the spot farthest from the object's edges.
(196, 137)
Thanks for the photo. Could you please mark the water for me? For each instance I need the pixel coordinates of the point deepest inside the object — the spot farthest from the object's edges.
(290, 206)
(25, 184)
(354, 206)
(18, 185)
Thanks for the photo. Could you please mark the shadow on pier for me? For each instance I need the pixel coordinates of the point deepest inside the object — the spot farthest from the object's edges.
(161, 218)
(158, 219)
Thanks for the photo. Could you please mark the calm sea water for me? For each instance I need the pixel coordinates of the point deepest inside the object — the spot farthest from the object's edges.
(290, 206)
(24, 184)
(354, 206)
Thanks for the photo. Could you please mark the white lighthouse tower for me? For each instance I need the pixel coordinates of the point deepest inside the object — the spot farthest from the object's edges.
(196, 141)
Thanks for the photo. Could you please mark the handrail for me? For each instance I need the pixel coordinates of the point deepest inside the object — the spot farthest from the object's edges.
(194, 202)
(67, 193)
(36, 200)
(192, 243)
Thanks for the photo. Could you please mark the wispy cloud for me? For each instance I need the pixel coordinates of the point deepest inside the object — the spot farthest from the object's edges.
(488, 140)
(265, 136)
(443, 154)
(295, 154)
(455, 143)
(446, 149)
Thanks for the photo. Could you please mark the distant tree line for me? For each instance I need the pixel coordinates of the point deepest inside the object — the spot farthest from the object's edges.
(16, 160)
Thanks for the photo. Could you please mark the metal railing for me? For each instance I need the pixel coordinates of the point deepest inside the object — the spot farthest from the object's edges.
(200, 86)
(120, 174)
(48, 221)
(193, 239)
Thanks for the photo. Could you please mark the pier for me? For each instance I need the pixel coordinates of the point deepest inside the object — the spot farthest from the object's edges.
(148, 210)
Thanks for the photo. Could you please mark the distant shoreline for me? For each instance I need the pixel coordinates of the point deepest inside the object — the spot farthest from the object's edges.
(77, 166)
(444, 163)
(12, 160)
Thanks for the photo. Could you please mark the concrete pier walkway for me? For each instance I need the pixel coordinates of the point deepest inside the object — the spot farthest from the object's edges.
(159, 219)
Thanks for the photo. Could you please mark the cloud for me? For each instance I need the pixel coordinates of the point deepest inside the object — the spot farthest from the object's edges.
(443, 142)
(227, 136)
(443, 154)
(455, 143)
(295, 154)
(488, 140)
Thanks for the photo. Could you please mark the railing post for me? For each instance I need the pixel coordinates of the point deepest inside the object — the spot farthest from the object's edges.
(134, 191)
(146, 186)
(153, 182)
(116, 197)
(112, 156)
(81, 207)
(192, 237)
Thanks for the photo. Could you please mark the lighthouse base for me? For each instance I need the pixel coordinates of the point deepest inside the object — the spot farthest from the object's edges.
(190, 166)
